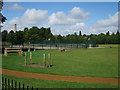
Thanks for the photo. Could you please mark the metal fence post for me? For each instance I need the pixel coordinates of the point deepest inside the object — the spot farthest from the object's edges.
(12, 84)
(5, 83)
(32, 87)
(8, 83)
(15, 84)
(2, 82)
(23, 86)
(27, 87)
(19, 85)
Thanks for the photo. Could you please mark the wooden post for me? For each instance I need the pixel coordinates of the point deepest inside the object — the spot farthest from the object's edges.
(25, 59)
(5, 52)
(29, 49)
(49, 59)
(30, 58)
(44, 60)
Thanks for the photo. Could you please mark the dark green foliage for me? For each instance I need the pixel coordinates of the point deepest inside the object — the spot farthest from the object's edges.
(4, 35)
(19, 35)
(11, 38)
(80, 34)
(40, 35)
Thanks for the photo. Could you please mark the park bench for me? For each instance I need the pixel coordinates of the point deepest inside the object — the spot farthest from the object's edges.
(8, 50)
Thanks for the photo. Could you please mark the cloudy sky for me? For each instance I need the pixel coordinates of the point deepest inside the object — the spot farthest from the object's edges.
(63, 17)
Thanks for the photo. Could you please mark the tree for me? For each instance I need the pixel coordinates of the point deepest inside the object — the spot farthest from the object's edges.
(117, 36)
(4, 35)
(59, 38)
(108, 34)
(19, 35)
(101, 38)
(33, 34)
(11, 31)
(26, 29)
(48, 33)
(93, 38)
(118, 33)
(112, 38)
(84, 35)
(80, 34)
(11, 37)
(75, 34)
(107, 37)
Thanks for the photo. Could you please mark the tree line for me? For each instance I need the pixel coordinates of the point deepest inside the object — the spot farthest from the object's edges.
(40, 35)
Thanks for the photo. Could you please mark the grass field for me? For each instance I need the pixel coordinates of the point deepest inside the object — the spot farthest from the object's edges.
(94, 62)
(39, 83)
(107, 45)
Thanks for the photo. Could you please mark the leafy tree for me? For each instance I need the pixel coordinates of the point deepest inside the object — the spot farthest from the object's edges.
(101, 38)
(60, 38)
(11, 37)
(108, 34)
(117, 37)
(112, 39)
(84, 35)
(4, 35)
(26, 29)
(107, 37)
(93, 38)
(118, 33)
(11, 31)
(80, 34)
(37, 35)
(47, 33)
(19, 37)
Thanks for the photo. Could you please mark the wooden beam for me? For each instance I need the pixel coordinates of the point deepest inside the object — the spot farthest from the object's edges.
(30, 58)
(44, 60)
(25, 59)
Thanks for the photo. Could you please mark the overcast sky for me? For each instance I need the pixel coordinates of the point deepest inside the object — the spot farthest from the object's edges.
(63, 17)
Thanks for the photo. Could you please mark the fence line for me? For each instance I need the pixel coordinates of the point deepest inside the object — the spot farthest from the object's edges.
(11, 84)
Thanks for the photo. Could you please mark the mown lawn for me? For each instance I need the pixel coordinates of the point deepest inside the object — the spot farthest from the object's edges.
(94, 62)
(38, 83)
(107, 45)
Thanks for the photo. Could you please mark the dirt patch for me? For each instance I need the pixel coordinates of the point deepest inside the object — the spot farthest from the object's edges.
(59, 77)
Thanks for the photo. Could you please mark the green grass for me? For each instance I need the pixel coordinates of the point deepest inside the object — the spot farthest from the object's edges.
(38, 83)
(94, 62)
(107, 45)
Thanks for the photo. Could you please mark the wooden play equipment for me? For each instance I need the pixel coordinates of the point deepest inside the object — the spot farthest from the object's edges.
(37, 65)
(7, 50)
